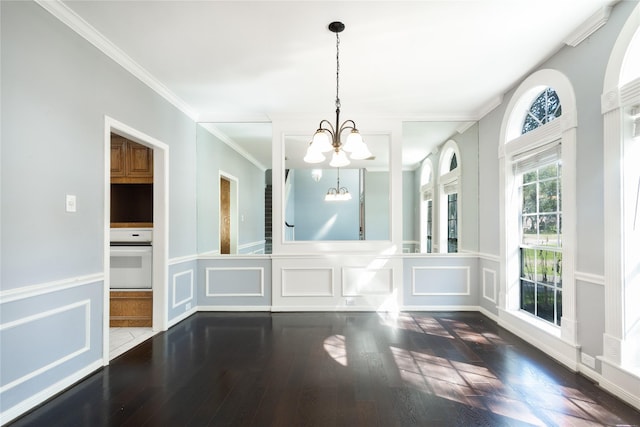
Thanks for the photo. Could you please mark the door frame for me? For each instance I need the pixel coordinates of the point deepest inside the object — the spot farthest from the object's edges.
(160, 225)
(233, 210)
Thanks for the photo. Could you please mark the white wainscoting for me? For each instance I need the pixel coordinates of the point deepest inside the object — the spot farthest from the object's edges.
(307, 282)
(441, 281)
(336, 283)
(58, 316)
(246, 282)
(489, 285)
(41, 321)
(180, 281)
(363, 281)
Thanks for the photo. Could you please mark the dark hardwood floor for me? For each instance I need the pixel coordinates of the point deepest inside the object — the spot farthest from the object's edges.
(334, 369)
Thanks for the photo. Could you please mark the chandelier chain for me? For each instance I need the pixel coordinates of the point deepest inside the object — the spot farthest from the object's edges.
(337, 70)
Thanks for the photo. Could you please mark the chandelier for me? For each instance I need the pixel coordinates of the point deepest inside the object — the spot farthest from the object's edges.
(337, 193)
(328, 137)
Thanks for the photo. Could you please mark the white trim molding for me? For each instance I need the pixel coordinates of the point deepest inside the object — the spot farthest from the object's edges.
(174, 287)
(620, 98)
(85, 30)
(590, 26)
(31, 291)
(513, 143)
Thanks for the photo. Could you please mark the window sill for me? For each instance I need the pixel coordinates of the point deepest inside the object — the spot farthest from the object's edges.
(539, 324)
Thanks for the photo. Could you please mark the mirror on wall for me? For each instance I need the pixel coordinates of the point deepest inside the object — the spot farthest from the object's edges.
(324, 203)
(437, 209)
(236, 157)
(233, 188)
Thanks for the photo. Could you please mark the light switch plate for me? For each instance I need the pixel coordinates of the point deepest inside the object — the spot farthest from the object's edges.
(71, 203)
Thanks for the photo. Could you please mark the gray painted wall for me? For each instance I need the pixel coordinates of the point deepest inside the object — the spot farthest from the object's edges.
(410, 205)
(376, 205)
(215, 156)
(468, 146)
(56, 90)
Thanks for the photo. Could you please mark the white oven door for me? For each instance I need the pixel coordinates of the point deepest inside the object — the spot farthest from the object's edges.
(130, 267)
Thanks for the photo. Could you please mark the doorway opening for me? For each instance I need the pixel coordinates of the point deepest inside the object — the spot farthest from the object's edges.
(158, 225)
(228, 188)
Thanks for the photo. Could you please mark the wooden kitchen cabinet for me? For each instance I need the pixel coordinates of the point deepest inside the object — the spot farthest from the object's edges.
(131, 309)
(131, 163)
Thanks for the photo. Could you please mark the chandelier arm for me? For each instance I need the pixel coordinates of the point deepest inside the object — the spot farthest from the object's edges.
(348, 124)
(331, 129)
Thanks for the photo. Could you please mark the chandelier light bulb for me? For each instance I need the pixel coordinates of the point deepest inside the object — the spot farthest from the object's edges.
(354, 141)
(321, 141)
(361, 152)
(339, 159)
(313, 156)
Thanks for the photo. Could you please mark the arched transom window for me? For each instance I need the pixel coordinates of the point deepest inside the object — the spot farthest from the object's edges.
(545, 108)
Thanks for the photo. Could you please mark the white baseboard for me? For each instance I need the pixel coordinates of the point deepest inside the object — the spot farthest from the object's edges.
(181, 317)
(233, 308)
(440, 308)
(38, 398)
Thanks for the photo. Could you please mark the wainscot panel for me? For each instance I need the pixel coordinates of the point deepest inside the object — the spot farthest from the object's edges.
(234, 282)
(182, 289)
(50, 337)
(489, 266)
(336, 282)
(441, 281)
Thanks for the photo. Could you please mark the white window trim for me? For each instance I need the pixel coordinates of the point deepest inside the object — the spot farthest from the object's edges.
(512, 144)
(621, 343)
(426, 193)
(448, 183)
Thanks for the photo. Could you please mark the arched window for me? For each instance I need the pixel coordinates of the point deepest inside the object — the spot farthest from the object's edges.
(543, 109)
(426, 207)
(621, 109)
(538, 204)
(449, 202)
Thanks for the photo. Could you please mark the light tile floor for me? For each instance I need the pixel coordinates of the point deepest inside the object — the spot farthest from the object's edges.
(123, 339)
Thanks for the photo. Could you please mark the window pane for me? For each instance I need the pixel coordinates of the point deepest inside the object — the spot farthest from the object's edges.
(452, 224)
(546, 267)
(528, 264)
(530, 177)
(550, 171)
(429, 224)
(558, 307)
(529, 229)
(527, 296)
(548, 196)
(529, 198)
(548, 226)
(545, 108)
(557, 268)
(546, 303)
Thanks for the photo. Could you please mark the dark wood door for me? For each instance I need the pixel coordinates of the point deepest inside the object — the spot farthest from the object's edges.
(225, 216)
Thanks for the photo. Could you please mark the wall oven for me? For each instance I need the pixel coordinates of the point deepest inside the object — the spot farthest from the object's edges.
(131, 259)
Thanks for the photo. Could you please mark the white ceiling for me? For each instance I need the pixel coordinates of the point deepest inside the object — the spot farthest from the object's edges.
(242, 61)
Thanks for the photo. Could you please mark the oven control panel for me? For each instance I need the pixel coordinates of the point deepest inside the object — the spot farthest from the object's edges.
(131, 235)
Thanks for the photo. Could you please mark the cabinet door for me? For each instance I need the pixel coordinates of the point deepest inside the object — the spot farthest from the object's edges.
(139, 161)
(118, 156)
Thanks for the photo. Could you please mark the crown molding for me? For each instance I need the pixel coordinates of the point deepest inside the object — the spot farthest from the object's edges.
(590, 26)
(71, 19)
(234, 146)
(488, 107)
